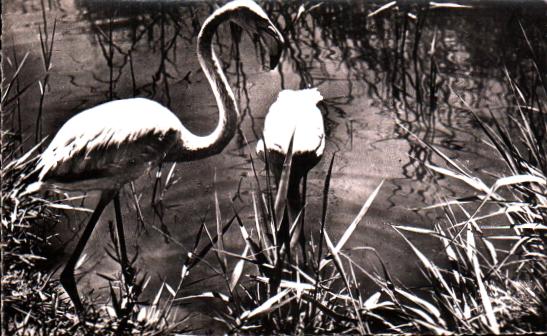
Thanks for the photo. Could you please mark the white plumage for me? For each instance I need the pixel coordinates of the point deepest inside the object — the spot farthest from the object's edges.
(101, 143)
(295, 111)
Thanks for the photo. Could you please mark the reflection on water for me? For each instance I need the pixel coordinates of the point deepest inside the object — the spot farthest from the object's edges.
(409, 64)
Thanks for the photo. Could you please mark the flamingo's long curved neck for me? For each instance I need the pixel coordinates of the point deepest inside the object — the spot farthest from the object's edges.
(197, 147)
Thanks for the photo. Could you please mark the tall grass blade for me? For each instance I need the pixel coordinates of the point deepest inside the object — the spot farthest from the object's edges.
(7, 89)
(351, 228)
(324, 208)
(220, 234)
(486, 302)
(267, 306)
(283, 187)
(238, 270)
(201, 254)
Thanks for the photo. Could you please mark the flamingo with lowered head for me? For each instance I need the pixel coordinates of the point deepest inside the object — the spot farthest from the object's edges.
(294, 115)
(109, 145)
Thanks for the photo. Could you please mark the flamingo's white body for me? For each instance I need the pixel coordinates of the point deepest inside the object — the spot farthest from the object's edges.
(294, 112)
(104, 147)
(108, 145)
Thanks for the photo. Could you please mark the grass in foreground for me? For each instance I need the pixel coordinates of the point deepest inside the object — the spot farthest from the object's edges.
(32, 301)
(488, 289)
(485, 289)
(283, 294)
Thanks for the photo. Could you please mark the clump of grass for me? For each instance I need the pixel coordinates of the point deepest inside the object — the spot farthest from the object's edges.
(269, 291)
(32, 299)
(22, 245)
(477, 293)
(487, 289)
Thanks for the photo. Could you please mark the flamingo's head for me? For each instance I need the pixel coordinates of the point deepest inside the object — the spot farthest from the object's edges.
(252, 18)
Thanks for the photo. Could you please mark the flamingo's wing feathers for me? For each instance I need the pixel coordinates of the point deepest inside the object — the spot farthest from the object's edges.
(137, 132)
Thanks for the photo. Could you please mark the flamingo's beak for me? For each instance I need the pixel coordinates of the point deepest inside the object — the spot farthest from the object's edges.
(275, 43)
(256, 22)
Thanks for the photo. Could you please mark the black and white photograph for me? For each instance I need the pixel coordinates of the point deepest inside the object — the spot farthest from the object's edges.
(261, 167)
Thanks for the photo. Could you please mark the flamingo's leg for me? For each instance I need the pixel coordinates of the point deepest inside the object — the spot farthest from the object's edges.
(126, 269)
(67, 278)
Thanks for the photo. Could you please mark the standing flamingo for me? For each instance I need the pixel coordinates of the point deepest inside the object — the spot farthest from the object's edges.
(105, 147)
(294, 115)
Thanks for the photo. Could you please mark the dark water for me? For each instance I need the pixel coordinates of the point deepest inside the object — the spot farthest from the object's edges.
(408, 64)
